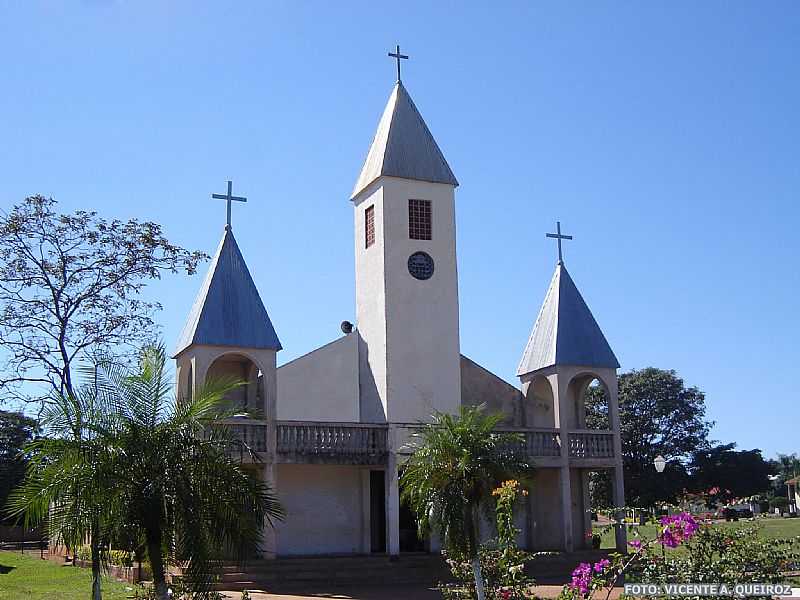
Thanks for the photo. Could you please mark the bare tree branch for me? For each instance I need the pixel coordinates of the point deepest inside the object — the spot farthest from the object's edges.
(70, 284)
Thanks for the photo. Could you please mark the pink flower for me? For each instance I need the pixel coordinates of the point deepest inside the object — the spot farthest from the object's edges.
(582, 578)
(677, 529)
(600, 566)
(635, 544)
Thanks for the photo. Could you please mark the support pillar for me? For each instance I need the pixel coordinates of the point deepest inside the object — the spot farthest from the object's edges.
(269, 537)
(392, 482)
(566, 509)
(620, 535)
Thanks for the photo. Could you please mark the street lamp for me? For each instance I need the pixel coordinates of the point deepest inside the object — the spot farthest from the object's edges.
(660, 463)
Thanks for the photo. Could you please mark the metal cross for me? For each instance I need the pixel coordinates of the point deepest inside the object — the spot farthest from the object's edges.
(559, 237)
(230, 198)
(396, 54)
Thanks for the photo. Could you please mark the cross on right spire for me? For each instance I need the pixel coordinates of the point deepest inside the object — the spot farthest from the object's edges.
(558, 236)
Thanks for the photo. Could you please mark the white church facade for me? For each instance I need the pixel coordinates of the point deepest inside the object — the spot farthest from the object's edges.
(333, 452)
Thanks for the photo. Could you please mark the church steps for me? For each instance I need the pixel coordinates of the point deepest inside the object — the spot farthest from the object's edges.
(376, 570)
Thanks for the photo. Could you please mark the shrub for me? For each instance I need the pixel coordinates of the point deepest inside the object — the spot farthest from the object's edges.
(502, 563)
(712, 554)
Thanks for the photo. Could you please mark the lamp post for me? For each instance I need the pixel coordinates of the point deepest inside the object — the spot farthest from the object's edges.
(660, 463)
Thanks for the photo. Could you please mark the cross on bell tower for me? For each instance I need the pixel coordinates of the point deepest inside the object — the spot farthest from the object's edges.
(558, 236)
(396, 54)
(230, 198)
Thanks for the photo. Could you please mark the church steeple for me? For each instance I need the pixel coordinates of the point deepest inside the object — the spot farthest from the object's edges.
(565, 332)
(228, 310)
(403, 147)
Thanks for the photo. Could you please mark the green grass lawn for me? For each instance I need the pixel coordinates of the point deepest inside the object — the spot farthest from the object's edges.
(30, 578)
(771, 528)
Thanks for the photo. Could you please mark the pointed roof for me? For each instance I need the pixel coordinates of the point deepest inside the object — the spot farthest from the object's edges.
(565, 332)
(228, 310)
(403, 146)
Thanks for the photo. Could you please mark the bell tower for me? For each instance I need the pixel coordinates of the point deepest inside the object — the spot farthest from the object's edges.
(406, 276)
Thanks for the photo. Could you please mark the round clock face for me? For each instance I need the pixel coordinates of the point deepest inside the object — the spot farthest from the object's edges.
(420, 265)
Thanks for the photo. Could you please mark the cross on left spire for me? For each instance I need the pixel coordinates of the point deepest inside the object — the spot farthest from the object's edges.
(229, 197)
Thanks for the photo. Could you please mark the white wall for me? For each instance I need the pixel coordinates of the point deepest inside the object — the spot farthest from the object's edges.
(409, 327)
(371, 307)
(324, 507)
(546, 504)
(321, 385)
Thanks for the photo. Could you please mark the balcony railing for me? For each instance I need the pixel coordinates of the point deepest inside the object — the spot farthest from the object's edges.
(538, 443)
(591, 444)
(348, 442)
(367, 443)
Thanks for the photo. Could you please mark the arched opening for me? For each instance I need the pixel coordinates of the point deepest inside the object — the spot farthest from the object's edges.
(588, 403)
(248, 397)
(540, 410)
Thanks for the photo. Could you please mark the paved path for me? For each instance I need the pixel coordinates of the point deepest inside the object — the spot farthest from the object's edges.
(400, 592)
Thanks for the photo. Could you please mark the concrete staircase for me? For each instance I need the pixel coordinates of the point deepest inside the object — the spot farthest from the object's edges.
(326, 572)
(323, 573)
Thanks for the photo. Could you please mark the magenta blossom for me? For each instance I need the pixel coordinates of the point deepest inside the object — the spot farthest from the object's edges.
(600, 566)
(582, 578)
(635, 544)
(677, 529)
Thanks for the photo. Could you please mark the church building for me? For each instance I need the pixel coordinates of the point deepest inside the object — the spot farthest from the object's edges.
(333, 452)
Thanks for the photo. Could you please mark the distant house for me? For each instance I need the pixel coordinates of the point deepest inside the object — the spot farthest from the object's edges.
(793, 491)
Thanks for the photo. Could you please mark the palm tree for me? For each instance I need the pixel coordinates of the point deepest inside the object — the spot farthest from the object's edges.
(182, 490)
(449, 478)
(69, 483)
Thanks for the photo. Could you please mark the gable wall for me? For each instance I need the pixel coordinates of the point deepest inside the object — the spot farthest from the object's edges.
(322, 385)
(478, 385)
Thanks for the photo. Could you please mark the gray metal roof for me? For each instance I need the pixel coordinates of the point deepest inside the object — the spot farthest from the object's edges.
(228, 310)
(565, 332)
(403, 146)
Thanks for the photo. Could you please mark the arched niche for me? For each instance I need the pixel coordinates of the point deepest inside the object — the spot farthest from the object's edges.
(588, 406)
(540, 409)
(248, 397)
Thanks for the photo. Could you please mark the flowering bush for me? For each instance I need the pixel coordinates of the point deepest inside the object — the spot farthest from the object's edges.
(707, 554)
(502, 562)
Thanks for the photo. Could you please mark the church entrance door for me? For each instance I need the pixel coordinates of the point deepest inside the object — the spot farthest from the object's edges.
(377, 512)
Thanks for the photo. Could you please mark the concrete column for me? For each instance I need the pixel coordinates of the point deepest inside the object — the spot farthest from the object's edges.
(559, 384)
(618, 479)
(269, 542)
(392, 483)
(566, 508)
(620, 535)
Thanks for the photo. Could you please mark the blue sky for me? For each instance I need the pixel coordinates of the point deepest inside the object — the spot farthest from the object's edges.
(664, 136)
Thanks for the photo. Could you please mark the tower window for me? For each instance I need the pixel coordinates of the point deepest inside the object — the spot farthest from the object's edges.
(369, 226)
(419, 219)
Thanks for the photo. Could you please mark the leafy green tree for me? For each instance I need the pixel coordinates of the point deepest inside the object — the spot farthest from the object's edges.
(123, 460)
(182, 489)
(457, 462)
(71, 478)
(70, 286)
(16, 431)
(659, 415)
(742, 473)
(787, 466)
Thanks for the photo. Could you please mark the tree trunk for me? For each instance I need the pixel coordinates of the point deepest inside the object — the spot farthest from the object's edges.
(97, 592)
(157, 563)
(472, 525)
(476, 570)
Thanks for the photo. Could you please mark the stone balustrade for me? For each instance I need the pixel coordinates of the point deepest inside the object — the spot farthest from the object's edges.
(367, 443)
(359, 443)
(247, 434)
(591, 444)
